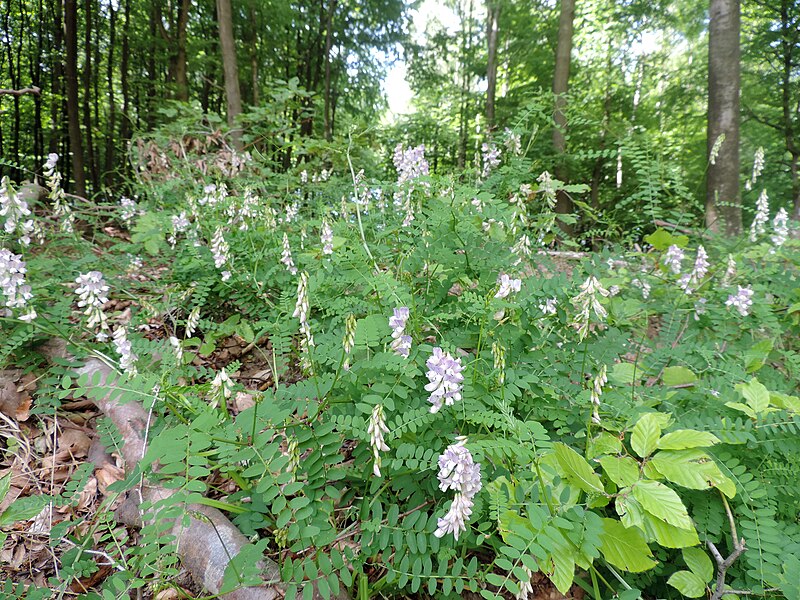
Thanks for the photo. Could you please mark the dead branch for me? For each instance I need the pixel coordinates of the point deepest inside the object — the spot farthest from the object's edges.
(723, 564)
(30, 90)
(686, 230)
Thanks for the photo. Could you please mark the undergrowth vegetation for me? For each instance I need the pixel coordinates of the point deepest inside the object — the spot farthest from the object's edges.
(449, 405)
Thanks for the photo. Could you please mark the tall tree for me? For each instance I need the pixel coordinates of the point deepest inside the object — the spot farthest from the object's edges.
(71, 80)
(723, 205)
(328, 42)
(87, 97)
(492, 27)
(560, 88)
(229, 65)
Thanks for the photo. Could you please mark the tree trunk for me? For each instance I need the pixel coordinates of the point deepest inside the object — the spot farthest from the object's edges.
(56, 82)
(493, 22)
(112, 108)
(87, 95)
(181, 68)
(722, 192)
(560, 88)
(229, 66)
(71, 77)
(125, 126)
(328, 39)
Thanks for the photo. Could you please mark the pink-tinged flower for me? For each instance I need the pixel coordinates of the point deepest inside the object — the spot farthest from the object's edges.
(690, 281)
(460, 473)
(444, 374)
(455, 521)
(673, 259)
(742, 300)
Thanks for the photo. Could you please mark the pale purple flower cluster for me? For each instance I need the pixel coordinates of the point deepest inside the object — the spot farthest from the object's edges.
(286, 256)
(673, 259)
(512, 141)
(127, 360)
(507, 285)
(460, 473)
(410, 163)
(326, 237)
(128, 211)
(91, 291)
(12, 282)
(15, 210)
(444, 374)
(742, 300)
(691, 280)
(401, 343)
(491, 158)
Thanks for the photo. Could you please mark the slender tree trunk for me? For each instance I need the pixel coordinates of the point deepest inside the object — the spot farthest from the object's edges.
(126, 121)
(87, 95)
(723, 206)
(597, 172)
(9, 38)
(493, 23)
(112, 108)
(150, 117)
(36, 80)
(463, 98)
(788, 46)
(71, 76)
(560, 88)
(229, 66)
(254, 57)
(181, 68)
(328, 39)
(56, 83)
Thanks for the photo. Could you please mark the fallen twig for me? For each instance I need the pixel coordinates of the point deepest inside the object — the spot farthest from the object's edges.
(29, 90)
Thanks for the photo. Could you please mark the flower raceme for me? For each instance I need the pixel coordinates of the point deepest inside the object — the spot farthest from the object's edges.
(12, 283)
(445, 376)
(507, 286)
(91, 291)
(401, 343)
(460, 473)
(742, 300)
(377, 427)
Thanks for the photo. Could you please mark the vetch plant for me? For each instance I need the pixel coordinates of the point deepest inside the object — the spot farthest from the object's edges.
(445, 377)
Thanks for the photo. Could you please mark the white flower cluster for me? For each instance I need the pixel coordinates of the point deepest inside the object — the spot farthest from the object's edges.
(780, 228)
(742, 300)
(221, 252)
(286, 256)
(326, 237)
(177, 347)
(127, 358)
(301, 310)
(401, 343)
(15, 210)
(588, 299)
(758, 166)
(491, 158)
(349, 340)
(712, 156)
(91, 291)
(180, 223)
(642, 285)
(522, 249)
(597, 390)
(460, 473)
(410, 163)
(12, 282)
(213, 194)
(221, 386)
(377, 427)
(512, 141)
(129, 210)
(762, 216)
(61, 208)
(507, 286)
(548, 307)
(690, 281)
(445, 377)
(192, 321)
(499, 357)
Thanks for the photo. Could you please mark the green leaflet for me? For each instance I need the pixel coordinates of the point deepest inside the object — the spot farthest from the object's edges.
(576, 470)
(687, 438)
(688, 584)
(622, 470)
(678, 376)
(625, 548)
(662, 502)
(698, 563)
(693, 469)
(646, 433)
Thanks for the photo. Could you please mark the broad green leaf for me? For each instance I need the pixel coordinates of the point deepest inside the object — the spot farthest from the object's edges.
(756, 394)
(576, 470)
(624, 373)
(757, 355)
(630, 511)
(693, 469)
(625, 548)
(646, 432)
(661, 239)
(622, 470)
(698, 563)
(678, 376)
(668, 535)
(687, 438)
(604, 443)
(790, 403)
(688, 584)
(742, 408)
(662, 502)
